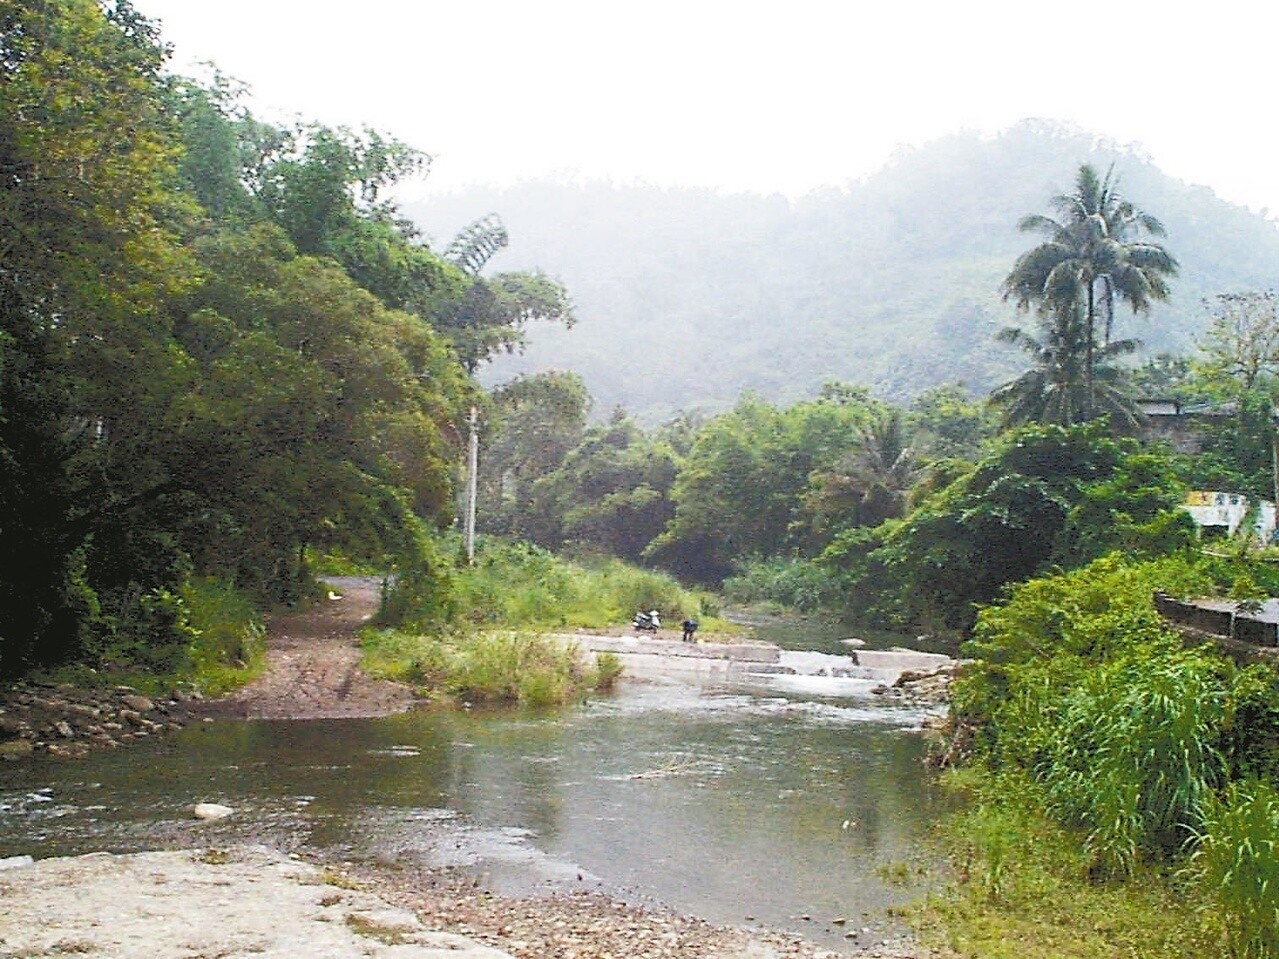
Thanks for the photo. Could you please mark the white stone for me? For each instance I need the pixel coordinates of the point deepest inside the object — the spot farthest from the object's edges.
(16, 862)
(211, 810)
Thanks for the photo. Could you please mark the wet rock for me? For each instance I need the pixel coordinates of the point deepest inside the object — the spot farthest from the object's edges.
(211, 810)
(72, 750)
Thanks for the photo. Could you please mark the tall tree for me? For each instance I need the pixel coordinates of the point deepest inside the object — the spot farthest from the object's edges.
(1094, 254)
(740, 489)
(489, 315)
(1056, 389)
(867, 484)
(536, 420)
(89, 252)
(1241, 345)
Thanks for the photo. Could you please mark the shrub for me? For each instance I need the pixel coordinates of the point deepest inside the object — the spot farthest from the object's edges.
(229, 645)
(790, 582)
(492, 666)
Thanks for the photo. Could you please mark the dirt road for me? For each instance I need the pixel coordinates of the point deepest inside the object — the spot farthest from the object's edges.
(312, 663)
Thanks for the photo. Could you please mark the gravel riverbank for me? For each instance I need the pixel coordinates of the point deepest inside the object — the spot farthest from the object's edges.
(253, 901)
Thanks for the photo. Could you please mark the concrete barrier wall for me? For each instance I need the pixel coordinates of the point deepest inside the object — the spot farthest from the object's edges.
(1216, 621)
(1219, 622)
(1256, 632)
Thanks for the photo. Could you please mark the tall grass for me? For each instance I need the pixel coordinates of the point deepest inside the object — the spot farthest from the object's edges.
(1236, 862)
(516, 585)
(1153, 759)
(1133, 756)
(493, 666)
(1023, 889)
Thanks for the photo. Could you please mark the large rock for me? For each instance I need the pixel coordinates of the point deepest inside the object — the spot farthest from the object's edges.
(211, 810)
(174, 905)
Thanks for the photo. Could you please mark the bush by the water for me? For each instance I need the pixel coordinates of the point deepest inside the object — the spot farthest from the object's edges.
(477, 633)
(1149, 756)
(787, 582)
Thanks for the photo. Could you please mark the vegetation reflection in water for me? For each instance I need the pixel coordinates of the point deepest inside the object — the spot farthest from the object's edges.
(723, 804)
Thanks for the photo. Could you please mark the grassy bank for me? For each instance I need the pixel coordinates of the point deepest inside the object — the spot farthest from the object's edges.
(1120, 785)
(531, 669)
(478, 633)
(515, 585)
(207, 636)
(1023, 887)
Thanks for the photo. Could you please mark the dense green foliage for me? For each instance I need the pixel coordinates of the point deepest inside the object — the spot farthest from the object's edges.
(1042, 495)
(220, 347)
(1155, 756)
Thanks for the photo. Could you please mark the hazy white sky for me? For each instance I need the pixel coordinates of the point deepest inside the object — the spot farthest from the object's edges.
(741, 95)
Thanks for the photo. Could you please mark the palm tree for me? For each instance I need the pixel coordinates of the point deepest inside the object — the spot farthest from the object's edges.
(1056, 388)
(1093, 254)
(868, 484)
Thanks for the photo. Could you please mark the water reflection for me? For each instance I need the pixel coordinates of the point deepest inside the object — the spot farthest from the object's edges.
(721, 803)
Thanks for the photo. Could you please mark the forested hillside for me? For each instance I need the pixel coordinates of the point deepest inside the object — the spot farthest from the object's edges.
(685, 297)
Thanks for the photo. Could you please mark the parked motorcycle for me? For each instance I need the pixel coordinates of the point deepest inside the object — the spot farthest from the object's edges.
(649, 622)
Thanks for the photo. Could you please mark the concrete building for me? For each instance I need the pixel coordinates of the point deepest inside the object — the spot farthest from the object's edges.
(1219, 513)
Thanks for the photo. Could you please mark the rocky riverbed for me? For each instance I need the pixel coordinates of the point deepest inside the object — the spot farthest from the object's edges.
(69, 721)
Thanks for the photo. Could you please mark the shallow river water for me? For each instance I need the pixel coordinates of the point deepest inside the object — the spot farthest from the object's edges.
(766, 802)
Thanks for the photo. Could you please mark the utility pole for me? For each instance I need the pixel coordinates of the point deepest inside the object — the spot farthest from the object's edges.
(472, 467)
(1274, 467)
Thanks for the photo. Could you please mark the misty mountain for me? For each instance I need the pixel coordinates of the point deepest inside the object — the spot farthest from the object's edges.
(687, 297)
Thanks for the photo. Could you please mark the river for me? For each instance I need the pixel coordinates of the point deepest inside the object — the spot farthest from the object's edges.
(766, 802)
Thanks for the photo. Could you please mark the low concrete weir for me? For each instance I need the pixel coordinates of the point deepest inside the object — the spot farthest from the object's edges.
(648, 658)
